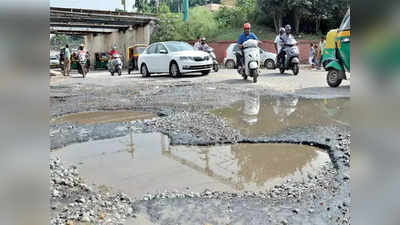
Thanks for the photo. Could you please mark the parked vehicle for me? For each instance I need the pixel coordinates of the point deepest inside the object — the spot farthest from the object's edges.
(215, 66)
(175, 58)
(81, 63)
(268, 59)
(133, 53)
(101, 60)
(291, 60)
(54, 62)
(251, 60)
(329, 51)
(115, 65)
(341, 63)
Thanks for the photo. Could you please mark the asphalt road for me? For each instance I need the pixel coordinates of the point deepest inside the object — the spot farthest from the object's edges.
(309, 83)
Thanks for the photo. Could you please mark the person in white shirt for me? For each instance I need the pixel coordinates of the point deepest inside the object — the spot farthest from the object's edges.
(197, 44)
(278, 43)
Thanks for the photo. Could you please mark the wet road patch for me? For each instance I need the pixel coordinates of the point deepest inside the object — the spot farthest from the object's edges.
(140, 163)
(262, 116)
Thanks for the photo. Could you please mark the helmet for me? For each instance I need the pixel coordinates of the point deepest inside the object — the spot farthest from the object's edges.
(114, 47)
(282, 30)
(287, 28)
(246, 26)
(203, 39)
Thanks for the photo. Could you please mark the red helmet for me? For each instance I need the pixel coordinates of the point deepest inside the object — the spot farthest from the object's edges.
(246, 26)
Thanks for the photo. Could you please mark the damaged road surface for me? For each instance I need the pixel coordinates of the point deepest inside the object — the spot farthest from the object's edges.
(198, 150)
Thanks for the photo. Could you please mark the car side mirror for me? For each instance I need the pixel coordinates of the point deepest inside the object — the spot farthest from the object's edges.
(163, 51)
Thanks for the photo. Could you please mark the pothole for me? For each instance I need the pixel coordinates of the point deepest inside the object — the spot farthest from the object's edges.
(103, 117)
(140, 163)
(260, 116)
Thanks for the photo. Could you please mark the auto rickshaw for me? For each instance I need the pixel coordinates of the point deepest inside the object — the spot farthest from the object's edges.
(74, 60)
(101, 60)
(329, 51)
(341, 62)
(133, 53)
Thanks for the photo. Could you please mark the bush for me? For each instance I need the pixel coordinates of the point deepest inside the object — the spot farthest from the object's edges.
(171, 26)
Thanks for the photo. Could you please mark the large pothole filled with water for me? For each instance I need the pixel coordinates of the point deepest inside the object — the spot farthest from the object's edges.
(140, 163)
(256, 116)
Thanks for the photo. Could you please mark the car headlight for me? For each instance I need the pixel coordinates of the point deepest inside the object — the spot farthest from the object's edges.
(185, 58)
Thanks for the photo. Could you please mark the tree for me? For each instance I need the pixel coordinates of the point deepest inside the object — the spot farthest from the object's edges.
(276, 8)
(300, 8)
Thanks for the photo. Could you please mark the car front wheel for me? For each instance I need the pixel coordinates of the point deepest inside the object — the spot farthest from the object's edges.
(145, 71)
(269, 64)
(174, 70)
(230, 64)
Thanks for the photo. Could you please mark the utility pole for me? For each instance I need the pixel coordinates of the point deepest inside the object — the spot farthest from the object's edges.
(185, 10)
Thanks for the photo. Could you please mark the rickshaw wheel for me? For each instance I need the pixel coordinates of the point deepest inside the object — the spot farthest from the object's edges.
(332, 78)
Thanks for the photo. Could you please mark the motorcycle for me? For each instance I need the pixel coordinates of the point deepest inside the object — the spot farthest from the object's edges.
(251, 60)
(82, 61)
(210, 51)
(291, 59)
(115, 65)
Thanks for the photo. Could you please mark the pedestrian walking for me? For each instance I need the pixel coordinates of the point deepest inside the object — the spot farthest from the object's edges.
(67, 61)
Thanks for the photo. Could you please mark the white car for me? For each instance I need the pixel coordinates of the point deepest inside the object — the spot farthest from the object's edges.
(54, 61)
(175, 58)
(268, 58)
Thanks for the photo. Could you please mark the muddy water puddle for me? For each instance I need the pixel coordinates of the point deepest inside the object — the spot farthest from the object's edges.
(104, 117)
(259, 116)
(140, 163)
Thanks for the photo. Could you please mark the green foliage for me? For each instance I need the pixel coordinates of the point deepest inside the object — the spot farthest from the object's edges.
(172, 27)
(165, 28)
(245, 11)
(60, 40)
(143, 6)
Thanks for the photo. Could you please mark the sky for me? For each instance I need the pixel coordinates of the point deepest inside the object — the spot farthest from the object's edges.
(92, 4)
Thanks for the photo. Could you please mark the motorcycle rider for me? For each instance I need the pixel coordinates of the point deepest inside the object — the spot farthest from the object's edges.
(286, 37)
(278, 43)
(203, 45)
(112, 52)
(246, 35)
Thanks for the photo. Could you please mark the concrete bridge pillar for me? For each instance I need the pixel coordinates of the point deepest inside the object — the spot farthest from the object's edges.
(122, 39)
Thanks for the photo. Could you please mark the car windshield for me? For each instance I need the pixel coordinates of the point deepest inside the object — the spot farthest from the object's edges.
(175, 46)
(140, 50)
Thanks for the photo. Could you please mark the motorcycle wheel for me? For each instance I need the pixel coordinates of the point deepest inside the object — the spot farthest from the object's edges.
(119, 72)
(254, 74)
(244, 77)
(216, 67)
(112, 73)
(296, 69)
(281, 70)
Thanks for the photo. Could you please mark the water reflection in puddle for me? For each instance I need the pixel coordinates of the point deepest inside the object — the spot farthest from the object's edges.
(258, 116)
(104, 117)
(140, 163)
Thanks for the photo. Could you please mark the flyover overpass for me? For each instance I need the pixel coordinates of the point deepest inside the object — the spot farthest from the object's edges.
(102, 29)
